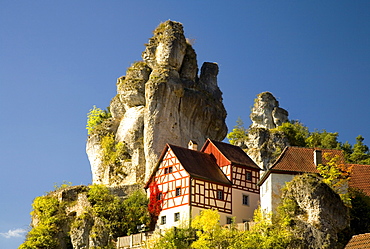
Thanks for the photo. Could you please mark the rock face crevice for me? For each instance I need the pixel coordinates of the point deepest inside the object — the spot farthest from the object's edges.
(161, 100)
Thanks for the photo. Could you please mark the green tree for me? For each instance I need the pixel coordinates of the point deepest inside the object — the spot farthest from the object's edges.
(113, 153)
(119, 217)
(336, 175)
(136, 212)
(361, 154)
(271, 231)
(347, 150)
(173, 238)
(238, 134)
(50, 214)
(359, 212)
(323, 139)
(209, 232)
(95, 117)
(296, 133)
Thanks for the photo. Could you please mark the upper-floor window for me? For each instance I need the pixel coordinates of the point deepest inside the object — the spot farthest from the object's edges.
(178, 191)
(168, 170)
(248, 176)
(246, 200)
(159, 196)
(220, 194)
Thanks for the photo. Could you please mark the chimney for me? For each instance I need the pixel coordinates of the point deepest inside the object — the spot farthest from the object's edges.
(192, 145)
(317, 157)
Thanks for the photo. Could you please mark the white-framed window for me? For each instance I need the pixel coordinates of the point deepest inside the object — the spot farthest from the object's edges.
(178, 191)
(220, 194)
(176, 217)
(248, 176)
(246, 200)
(163, 219)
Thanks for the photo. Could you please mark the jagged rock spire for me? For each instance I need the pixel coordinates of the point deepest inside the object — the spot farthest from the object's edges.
(161, 100)
(266, 112)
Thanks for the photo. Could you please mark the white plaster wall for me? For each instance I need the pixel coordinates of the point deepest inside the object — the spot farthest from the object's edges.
(270, 191)
(170, 217)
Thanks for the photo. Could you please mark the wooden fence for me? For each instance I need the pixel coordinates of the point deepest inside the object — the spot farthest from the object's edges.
(133, 241)
(137, 240)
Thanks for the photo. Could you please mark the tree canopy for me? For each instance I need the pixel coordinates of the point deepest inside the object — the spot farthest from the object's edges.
(299, 135)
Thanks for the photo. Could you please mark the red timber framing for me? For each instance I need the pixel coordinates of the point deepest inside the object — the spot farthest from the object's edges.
(204, 179)
(169, 177)
(206, 195)
(221, 160)
(236, 173)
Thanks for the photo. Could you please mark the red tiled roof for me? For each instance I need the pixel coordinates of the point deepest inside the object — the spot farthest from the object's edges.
(200, 165)
(360, 177)
(359, 241)
(301, 160)
(234, 154)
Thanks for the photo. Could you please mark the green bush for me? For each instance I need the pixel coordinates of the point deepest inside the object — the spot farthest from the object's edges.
(120, 217)
(96, 117)
(50, 214)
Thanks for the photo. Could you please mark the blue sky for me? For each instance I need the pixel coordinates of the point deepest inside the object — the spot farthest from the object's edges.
(59, 58)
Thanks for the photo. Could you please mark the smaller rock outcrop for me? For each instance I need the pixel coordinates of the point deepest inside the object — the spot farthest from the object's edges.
(319, 216)
(83, 217)
(263, 144)
(266, 112)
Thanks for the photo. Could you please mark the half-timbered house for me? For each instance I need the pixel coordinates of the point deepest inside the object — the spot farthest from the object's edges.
(219, 176)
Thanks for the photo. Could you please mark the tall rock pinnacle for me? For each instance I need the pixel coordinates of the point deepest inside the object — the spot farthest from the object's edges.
(261, 144)
(160, 100)
(266, 112)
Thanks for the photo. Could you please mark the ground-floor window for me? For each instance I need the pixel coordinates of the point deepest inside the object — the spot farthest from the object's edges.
(163, 220)
(229, 220)
(177, 217)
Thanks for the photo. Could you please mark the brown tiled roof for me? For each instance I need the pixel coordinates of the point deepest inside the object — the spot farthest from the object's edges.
(301, 160)
(296, 160)
(200, 165)
(359, 241)
(360, 177)
(235, 154)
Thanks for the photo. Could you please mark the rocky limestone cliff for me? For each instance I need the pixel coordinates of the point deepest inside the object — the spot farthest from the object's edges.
(319, 216)
(69, 218)
(160, 100)
(263, 144)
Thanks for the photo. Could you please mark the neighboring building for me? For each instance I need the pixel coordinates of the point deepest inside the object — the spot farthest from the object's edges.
(292, 161)
(359, 241)
(360, 178)
(219, 176)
